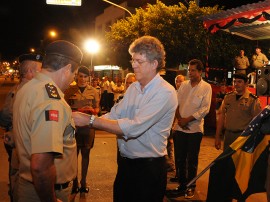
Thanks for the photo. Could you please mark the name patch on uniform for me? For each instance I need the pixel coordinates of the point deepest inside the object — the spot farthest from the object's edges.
(51, 115)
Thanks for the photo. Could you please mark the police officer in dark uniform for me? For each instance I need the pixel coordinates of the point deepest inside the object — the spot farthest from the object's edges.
(237, 110)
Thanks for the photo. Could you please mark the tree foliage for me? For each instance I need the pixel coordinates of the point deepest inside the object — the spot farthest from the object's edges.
(181, 31)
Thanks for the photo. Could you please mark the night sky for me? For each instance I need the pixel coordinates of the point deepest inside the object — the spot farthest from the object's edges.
(24, 23)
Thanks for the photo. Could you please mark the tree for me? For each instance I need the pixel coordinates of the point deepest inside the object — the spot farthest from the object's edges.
(181, 31)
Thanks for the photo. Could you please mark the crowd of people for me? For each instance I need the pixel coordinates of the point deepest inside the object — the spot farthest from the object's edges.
(52, 119)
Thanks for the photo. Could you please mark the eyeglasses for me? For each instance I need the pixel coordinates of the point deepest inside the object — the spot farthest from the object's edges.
(140, 62)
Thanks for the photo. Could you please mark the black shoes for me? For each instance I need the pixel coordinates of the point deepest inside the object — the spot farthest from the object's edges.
(177, 192)
(189, 193)
(84, 191)
(74, 192)
(181, 191)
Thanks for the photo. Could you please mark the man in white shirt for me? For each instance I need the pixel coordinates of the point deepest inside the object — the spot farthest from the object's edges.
(142, 121)
(194, 100)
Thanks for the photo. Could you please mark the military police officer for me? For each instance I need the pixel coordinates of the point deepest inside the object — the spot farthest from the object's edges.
(241, 63)
(237, 110)
(85, 98)
(44, 128)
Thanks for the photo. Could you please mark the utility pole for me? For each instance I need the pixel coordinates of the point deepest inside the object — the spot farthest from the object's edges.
(121, 7)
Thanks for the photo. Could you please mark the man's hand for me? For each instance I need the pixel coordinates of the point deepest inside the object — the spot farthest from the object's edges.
(183, 122)
(186, 128)
(81, 119)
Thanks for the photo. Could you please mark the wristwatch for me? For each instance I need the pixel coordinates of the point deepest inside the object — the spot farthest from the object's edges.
(91, 121)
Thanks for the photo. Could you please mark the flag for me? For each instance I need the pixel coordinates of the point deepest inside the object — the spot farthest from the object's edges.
(241, 169)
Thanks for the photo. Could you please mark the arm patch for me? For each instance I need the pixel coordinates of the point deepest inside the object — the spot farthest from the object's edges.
(52, 115)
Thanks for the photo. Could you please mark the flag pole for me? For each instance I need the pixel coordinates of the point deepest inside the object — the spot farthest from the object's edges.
(201, 173)
(254, 126)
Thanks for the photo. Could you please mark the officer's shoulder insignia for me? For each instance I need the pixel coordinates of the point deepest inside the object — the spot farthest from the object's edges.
(229, 93)
(254, 96)
(52, 91)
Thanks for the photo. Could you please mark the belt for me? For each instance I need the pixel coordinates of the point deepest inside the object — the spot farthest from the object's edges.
(61, 186)
(143, 160)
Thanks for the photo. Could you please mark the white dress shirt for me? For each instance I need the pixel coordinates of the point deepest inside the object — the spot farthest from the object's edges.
(194, 101)
(145, 117)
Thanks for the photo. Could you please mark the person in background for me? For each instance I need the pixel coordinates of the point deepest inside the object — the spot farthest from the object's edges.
(179, 79)
(236, 111)
(241, 63)
(194, 100)
(130, 78)
(44, 129)
(85, 98)
(118, 90)
(220, 96)
(30, 64)
(259, 59)
(142, 121)
(95, 84)
(107, 94)
(110, 100)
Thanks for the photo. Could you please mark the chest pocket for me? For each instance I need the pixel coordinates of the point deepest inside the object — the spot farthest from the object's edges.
(244, 104)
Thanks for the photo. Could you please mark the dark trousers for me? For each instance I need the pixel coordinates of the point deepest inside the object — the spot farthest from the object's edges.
(187, 148)
(142, 179)
(107, 101)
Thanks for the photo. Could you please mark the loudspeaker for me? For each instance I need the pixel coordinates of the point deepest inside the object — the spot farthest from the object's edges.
(263, 81)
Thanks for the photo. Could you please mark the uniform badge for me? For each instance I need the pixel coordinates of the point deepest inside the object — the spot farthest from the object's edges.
(52, 91)
(51, 115)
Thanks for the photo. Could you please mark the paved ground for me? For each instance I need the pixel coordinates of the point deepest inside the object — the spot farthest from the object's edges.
(103, 168)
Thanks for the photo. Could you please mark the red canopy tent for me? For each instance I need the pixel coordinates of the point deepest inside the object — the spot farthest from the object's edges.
(251, 21)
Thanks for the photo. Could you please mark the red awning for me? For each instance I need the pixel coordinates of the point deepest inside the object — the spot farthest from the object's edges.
(251, 21)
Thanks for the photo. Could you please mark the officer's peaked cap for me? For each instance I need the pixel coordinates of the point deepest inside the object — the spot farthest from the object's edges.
(31, 57)
(84, 70)
(241, 76)
(65, 49)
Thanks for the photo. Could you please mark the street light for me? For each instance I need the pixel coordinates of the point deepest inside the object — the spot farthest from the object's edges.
(49, 37)
(121, 7)
(92, 47)
(52, 33)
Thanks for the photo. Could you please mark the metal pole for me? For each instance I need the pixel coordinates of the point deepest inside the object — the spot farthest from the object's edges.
(121, 7)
